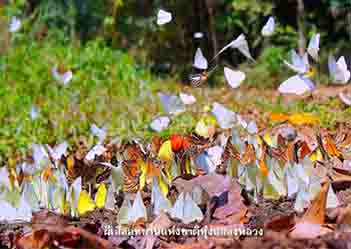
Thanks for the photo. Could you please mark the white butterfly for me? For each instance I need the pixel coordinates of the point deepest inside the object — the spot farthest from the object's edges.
(15, 24)
(73, 195)
(234, 78)
(187, 99)
(163, 17)
(338, 70)
(64, 78)
(215, 154)
(160, 123)
(158, 200)
(200, 62)
(239, 43)
(332, 199)
(40, 155)
(252, 127)
(198, 35)
(172, 104)
(298, 64)
(291, 180)
(210, 159)
(225, 118)
(297, 84)
(58, 151)
(30, 194)
(241, 121)
(34, 113)
(98, 132)
(186, 209)
(97, 150)
(138, 209)
(313, 46)
(345, 98)
(10, 214)
(124, 210)
(268, 28)
(204, 162)
(110, 199)
(117, 177)
(4, 177)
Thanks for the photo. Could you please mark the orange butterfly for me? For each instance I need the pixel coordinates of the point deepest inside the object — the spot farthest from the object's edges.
(249, 156)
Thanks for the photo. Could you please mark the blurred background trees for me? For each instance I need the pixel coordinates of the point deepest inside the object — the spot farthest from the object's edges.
(130, 25)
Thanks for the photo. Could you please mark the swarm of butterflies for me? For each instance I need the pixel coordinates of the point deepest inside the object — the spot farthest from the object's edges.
(273, 164)
(269, 164)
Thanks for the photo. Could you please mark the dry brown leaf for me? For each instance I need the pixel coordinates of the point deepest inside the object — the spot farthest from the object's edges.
(316, 213)
(312, 224)
(308, 135)
(160, 223)
(280, 223)
(342, 215)
(217, 186)
(203, 244)
(34, 240)
(49, 227)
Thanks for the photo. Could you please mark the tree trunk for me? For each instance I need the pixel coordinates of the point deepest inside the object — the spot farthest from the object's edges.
(212, 28)
(349, 21)
(301, 26)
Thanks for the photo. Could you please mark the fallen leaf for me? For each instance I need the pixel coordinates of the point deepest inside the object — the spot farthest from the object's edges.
(161, 222)
(217, 186)
(35, 240)
(280, 223)
(312, 224)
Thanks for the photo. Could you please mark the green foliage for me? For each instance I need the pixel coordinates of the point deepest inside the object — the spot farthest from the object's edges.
(108, 87)
(269, 66)
(338, 3)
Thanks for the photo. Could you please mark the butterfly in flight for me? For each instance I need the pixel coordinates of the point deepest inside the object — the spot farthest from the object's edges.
(200, 78)
(200, 62)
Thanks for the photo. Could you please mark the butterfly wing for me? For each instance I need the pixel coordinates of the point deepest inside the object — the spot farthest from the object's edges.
(313, 46)
(268, 28)
(34, 113)
(241, 44)
(163, 17)
(97, 150)
(66, 77)
(296, 85)
(345, 99)
(299, 64)
(252, 127)
(187, 99)
(58, 151)
(332, 65)
(200, 62)
(225, 118)
(160, 124)
(343, 71)
(98, 132)
(342, 63)
(234, 78)
(172, 104)
(138, 209)
(15, 24)
(338, 70)
(223, 49)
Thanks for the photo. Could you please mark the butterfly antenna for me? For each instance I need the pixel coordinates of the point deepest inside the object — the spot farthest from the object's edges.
(213, 69)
